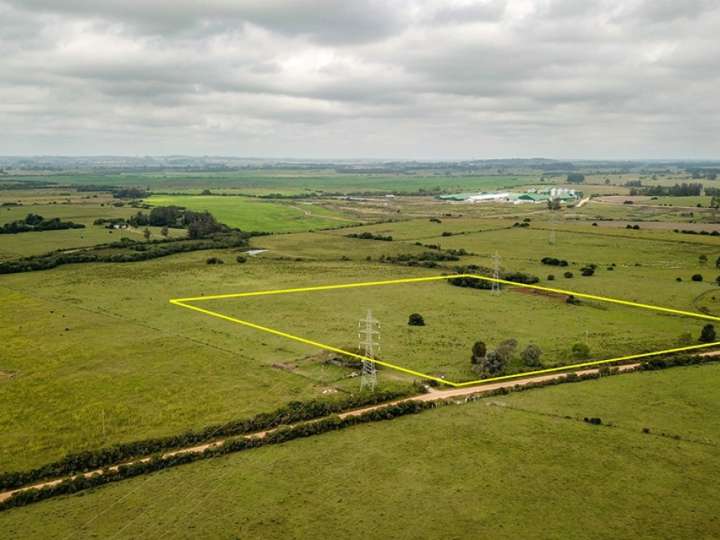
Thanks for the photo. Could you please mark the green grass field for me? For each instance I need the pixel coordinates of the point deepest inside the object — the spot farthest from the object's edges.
(124, 339)
(455, 318)
(291, 181)
(523, 465)
(94, 354)
(257, 215)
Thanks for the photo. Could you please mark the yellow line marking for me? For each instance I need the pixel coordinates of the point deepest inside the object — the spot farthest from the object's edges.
(184, 302)
(306, 341)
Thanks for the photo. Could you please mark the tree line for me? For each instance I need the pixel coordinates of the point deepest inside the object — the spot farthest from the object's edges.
(678, 190)
(35, 222)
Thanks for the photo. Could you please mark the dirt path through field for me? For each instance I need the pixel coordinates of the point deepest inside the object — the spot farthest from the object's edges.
(432, 395)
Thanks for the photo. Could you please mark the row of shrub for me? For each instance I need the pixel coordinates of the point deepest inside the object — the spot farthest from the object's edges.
(370, 236)
(309, 429)
(35, 222)
(157, 463)
(704, 233)
(428, 259)
(295, 411)
(127, 251)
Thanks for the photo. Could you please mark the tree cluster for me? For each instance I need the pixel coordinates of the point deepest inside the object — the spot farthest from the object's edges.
(131, 193)
(198, 224)
(370, 236)
(678, 190)
(126, 250)
(35, 222)
(492, 363)
(552, 261)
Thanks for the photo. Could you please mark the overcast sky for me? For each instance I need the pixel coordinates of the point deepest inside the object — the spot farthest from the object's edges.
(361, 78)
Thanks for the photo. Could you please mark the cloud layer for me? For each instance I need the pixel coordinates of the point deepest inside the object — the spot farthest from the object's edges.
(367, 78)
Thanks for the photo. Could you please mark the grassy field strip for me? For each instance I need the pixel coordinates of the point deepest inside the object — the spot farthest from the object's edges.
(185, 302)
(632, 237)
(433, 395)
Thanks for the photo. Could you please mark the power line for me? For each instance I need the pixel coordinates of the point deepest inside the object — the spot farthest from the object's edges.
(368, 333)
(495, 286)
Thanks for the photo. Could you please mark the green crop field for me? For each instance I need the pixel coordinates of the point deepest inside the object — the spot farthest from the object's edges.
(490, 467)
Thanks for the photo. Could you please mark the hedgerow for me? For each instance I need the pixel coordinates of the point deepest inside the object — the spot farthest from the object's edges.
(294, 411)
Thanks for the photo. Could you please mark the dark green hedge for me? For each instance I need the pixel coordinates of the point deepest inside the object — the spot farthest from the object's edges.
(157, 463)
(295, 411)
(125, 251)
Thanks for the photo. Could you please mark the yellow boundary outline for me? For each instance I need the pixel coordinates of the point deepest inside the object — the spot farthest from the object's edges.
(185, 302)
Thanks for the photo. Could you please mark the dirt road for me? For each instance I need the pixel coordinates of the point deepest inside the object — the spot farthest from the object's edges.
(433, 395)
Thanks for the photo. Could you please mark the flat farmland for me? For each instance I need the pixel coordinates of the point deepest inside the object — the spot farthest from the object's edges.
(455, 318)
(477, 467)
(251, 214)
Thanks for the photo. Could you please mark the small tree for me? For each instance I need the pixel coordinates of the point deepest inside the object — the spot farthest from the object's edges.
(416, 319)
(241, 259)
(531, 355)
(707, 335)
(580, 351)
(479, 350)
(506, 349)
(702, 259)
(165, 232)
(697, 277)
(493, 364)
(147, 234)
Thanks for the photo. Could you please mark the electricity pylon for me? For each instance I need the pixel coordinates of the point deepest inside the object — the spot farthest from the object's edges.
(495, 288)
(369, 335)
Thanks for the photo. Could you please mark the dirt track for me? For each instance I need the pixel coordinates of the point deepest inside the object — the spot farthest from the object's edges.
(433, 395)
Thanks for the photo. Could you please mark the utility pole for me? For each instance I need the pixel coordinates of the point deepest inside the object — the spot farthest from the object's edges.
(495, 289)
(369, 336)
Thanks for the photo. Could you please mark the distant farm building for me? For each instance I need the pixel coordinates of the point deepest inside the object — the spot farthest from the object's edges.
(531, 196)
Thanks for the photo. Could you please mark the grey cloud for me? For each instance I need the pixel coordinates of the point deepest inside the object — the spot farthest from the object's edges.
(416, 78)
(325, 20)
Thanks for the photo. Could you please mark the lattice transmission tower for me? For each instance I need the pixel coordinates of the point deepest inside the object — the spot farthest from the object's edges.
(553, 227)
(495, 289)
(369, 336)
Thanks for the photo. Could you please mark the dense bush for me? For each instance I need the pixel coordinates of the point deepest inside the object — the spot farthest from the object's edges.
(707, 334)
(531, 355)
(428, 259)
(552, 261)
(370, 236)
(35, 222)
(416, 319)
